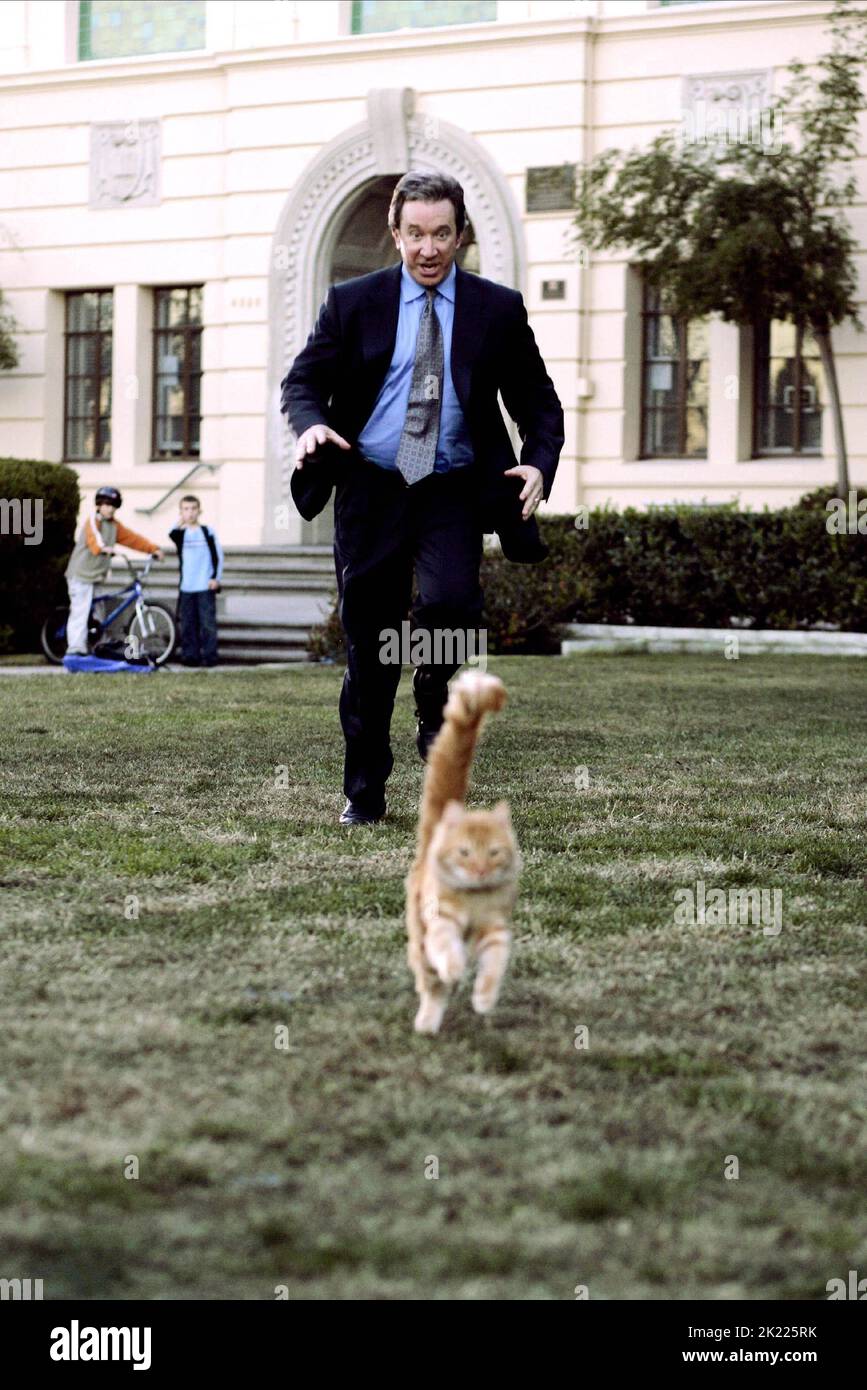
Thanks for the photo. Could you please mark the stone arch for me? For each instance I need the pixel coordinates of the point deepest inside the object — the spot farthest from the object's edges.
(391, 140)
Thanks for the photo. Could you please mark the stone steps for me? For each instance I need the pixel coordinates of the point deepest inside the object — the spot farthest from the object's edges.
(254, 653)
(270, 599)
(252, 582)
(272, 641)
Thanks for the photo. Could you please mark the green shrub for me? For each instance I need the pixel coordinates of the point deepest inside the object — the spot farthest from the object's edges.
(672, 566)
(31, 575)
(326, 641)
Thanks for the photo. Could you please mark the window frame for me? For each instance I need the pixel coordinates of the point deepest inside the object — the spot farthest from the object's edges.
(187, 329)
(98, 333)
(681, 326)
(73, 43)
(355, 11)
(797, 450)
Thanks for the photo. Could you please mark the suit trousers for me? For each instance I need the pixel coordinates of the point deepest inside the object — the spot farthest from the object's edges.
(384, 529)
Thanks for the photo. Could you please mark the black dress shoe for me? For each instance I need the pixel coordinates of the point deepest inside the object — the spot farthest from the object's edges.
(353, 815)
(424, 736)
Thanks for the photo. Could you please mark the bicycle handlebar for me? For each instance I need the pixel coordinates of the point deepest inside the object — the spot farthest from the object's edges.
(145, 569)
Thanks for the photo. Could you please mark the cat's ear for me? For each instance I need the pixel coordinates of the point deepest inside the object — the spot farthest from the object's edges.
(502, 812)
(453, 812)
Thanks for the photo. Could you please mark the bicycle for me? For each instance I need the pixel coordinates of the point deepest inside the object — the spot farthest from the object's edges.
(150, 633)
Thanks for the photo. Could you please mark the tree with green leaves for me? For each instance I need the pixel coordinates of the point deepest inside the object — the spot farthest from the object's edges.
(752, 230)
(8, 346)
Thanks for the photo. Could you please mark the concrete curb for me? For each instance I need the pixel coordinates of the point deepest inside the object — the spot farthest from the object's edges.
(583, 638)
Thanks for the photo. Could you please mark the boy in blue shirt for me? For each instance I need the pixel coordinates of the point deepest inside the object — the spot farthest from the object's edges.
(200, 557)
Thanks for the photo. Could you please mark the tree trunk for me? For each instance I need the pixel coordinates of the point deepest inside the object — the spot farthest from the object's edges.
(823, 339)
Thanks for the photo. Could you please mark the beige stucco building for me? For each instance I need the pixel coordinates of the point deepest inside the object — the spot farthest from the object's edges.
(256, 162)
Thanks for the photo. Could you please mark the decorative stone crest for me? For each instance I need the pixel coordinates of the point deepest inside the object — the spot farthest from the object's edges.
(743, 90)
(730, 107)
(124, 164)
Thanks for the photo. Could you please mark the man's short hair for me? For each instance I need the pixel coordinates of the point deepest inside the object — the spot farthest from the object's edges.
(427, 188)
(190, 498)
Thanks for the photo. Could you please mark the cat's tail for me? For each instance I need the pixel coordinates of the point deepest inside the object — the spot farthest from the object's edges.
(447, 774)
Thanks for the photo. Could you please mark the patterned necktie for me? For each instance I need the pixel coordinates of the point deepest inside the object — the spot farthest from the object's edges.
(416, 453)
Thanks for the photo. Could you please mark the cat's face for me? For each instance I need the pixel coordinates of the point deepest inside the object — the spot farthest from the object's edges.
(475, 849)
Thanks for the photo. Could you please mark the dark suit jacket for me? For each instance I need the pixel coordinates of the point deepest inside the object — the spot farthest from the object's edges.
(336, 379)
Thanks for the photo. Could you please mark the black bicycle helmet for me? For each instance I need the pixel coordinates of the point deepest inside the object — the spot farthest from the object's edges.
(109, 494)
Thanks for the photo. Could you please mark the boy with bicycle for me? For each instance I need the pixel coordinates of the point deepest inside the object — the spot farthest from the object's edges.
(90, 560)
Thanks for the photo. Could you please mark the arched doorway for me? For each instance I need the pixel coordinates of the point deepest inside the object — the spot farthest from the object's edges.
(334, 225)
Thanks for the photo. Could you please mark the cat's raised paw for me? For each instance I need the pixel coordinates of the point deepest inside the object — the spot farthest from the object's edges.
(475, 692)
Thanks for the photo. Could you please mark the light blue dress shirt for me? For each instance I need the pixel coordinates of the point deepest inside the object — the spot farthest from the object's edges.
(380, 438)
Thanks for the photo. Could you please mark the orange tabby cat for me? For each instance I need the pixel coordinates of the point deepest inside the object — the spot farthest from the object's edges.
(462, 887)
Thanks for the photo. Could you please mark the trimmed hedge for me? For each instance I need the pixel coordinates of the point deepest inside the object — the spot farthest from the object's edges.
(31, 575)
(672, 566)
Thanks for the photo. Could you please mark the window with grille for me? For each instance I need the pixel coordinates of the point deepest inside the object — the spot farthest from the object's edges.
(376, 16)
(127, 28)
(87, 371)
(674, 382)
(177, 378)
(789, 394)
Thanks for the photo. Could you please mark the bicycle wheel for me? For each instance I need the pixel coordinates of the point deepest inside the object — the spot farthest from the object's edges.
(53, 634)
(155, 637)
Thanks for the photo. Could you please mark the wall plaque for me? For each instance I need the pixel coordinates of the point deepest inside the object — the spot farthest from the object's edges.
(553, 289)
(551, 188)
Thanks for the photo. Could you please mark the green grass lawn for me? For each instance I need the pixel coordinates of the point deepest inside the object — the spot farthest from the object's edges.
(168, 904)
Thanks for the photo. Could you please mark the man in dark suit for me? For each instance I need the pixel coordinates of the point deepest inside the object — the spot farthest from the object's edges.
(394, 402)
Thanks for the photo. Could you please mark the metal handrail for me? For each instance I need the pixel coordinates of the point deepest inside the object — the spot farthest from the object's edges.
(149, 511)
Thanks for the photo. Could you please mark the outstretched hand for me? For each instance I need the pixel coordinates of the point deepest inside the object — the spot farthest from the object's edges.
(532, 491)
(311, 439)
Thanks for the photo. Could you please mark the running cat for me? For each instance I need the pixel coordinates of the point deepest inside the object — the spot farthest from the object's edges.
(462, 887)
